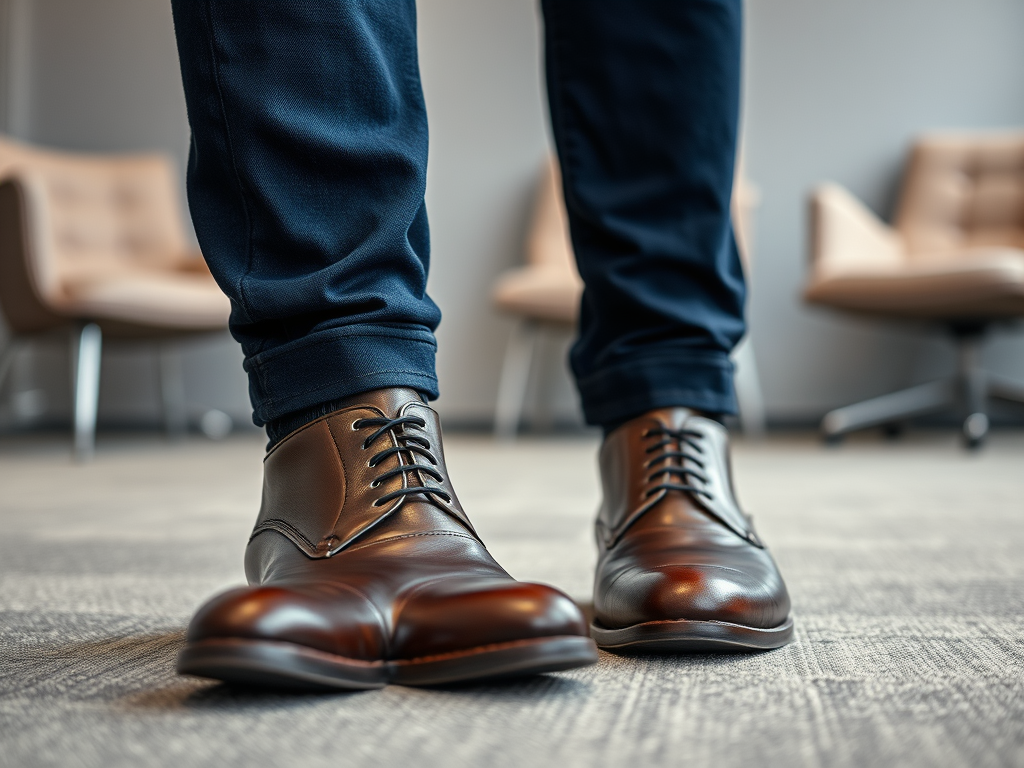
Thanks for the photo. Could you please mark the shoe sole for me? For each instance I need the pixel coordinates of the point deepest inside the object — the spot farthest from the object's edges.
(686, 636)
(270, 664)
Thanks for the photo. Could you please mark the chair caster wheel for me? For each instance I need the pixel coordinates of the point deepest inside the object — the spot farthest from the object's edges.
(975, 430)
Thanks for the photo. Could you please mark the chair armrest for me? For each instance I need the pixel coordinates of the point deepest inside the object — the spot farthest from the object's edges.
(848, 239)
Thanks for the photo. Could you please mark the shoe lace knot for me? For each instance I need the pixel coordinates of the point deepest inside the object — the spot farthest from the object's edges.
(410, 441)
(668, 465)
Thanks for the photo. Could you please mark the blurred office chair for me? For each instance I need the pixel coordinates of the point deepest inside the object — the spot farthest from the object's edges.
(544, 297)
(96, 245)
(955, 258)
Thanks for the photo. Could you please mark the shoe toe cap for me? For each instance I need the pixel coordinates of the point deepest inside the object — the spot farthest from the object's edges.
(470, 613)
(695, 592)
(331, 620)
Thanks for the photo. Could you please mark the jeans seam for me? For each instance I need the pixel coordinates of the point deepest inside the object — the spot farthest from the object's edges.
(215, 67)
(556, 108)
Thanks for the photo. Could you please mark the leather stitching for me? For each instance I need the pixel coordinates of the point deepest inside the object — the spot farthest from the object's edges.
(305, 649)
(615, 534)
(285, 528)
(410, 536)
(317, 421)
(346, 544)
(477, 649)
(344, 475)
(389, 662)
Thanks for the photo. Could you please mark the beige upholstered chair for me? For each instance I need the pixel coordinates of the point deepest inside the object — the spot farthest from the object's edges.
(954, 258)
(96, 244)
(544, 295)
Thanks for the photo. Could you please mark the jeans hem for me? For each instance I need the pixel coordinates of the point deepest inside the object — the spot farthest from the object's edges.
(689, 379)
(337, 363)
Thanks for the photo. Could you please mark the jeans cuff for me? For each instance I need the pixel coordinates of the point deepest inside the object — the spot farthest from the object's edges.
(686, 378)
(337, 363)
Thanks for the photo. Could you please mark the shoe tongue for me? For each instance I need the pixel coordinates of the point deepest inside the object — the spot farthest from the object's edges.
(389, 400)
(673, 418)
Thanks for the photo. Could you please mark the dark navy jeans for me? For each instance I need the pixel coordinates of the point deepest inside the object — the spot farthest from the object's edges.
(308, 169)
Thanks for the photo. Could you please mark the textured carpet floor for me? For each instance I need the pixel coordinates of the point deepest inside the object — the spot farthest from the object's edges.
(904, 561)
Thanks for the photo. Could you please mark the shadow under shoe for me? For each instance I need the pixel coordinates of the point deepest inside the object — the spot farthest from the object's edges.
(680, 567)
(364, 569)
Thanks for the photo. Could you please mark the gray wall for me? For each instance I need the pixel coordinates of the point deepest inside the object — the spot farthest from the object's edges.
(481, 74)
(835, 89)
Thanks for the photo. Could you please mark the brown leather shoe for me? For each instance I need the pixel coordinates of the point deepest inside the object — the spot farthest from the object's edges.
(680, 566)
(364, 570)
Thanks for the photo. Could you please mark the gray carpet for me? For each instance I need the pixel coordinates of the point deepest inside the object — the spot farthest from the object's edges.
(904, 562)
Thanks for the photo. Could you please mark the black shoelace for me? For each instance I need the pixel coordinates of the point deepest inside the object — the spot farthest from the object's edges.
(408, 444)
(671, 452)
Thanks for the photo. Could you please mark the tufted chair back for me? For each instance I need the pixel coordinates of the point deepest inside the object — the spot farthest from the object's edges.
(86, 219)
(963, 196)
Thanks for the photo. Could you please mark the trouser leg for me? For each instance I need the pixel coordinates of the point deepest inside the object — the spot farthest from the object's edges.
(644, 99)
(306, 182)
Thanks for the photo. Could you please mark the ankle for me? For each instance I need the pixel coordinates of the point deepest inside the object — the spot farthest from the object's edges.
(278, 429)
(611, 426)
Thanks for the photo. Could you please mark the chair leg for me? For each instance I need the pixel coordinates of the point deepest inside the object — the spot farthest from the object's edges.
(541, 419)
(515, 376)
(748, 390)
(86, 351)
(973, 386)
(916, 401)
(172, 389)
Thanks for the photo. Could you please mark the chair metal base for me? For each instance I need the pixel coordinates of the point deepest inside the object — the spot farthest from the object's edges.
(86, 355)
(515, 378)
(172, 389)
(969, 389)
(753, 419)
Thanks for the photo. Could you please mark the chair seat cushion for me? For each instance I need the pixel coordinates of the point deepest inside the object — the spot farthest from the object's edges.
(540, 292)
(983, 283)
(172, 300)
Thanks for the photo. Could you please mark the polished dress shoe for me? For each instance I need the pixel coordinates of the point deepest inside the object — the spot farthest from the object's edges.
(364, 569)
(680, 566)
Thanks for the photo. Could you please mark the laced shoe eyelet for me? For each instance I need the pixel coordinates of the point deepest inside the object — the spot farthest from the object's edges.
(413, 454)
